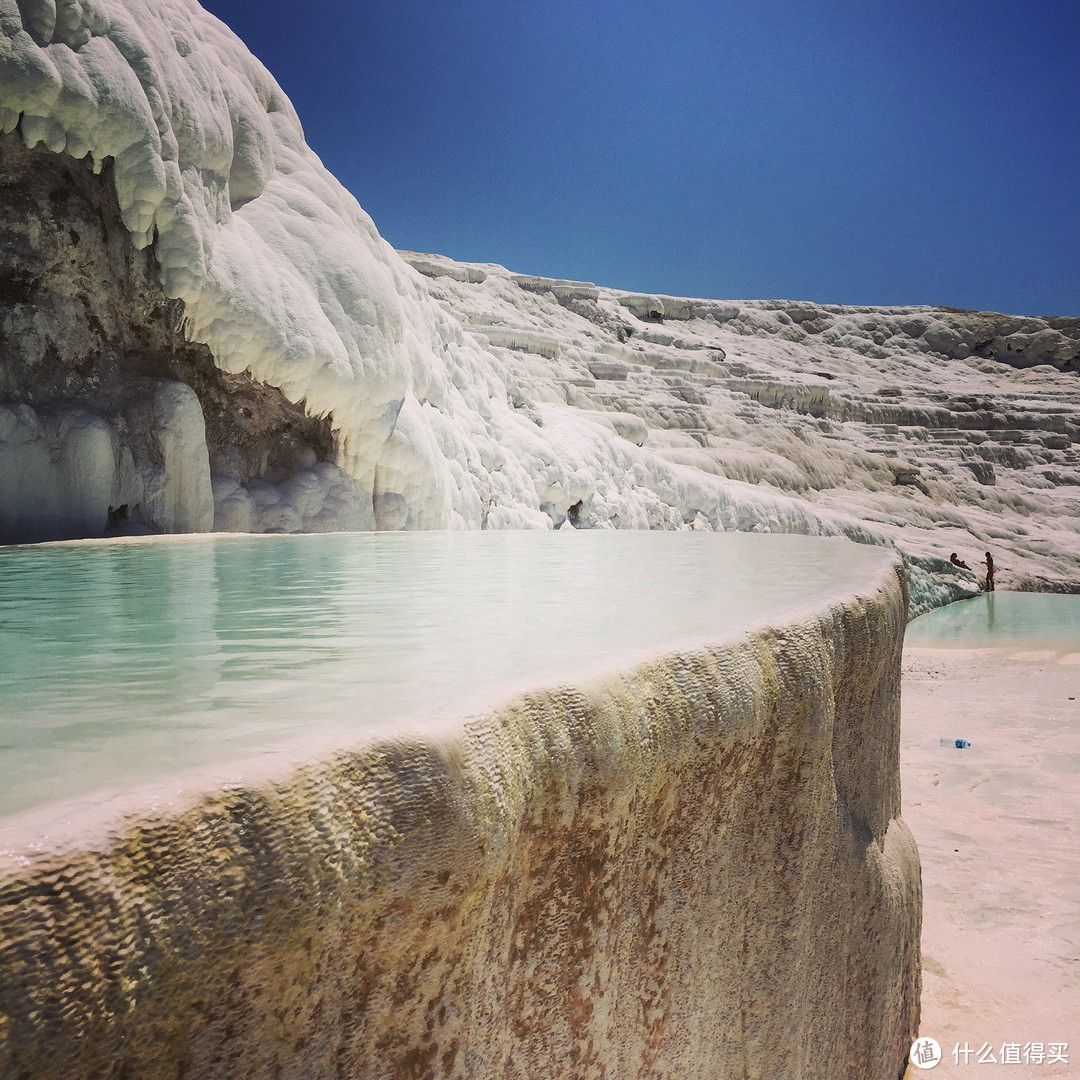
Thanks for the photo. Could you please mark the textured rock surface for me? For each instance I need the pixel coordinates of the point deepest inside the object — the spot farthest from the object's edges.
(694, 869)
(103, 403)
(869, 415)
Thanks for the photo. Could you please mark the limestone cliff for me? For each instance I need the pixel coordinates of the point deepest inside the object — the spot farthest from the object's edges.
(695, 868)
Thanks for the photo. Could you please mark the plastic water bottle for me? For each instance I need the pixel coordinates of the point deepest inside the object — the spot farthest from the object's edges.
(960, 744)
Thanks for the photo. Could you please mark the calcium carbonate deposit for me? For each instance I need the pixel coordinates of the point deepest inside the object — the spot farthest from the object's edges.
(692, 865)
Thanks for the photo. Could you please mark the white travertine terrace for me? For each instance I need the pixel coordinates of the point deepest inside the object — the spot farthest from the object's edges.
(282, 273)
(693, 867)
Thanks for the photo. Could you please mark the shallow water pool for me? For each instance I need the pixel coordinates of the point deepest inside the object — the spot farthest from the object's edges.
(1033, 620)
(132, 661)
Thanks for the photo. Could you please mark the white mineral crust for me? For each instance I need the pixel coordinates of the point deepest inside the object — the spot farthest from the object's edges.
(467, 396)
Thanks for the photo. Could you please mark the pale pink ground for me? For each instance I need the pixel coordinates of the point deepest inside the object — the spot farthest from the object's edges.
(998, 829)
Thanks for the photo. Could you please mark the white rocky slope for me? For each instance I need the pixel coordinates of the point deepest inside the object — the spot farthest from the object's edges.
(258, 358)
(935, 430)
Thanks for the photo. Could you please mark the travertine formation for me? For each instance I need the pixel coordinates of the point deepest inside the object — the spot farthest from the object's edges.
(696, 868)
(201, 329)
(937, 430)
(104, 404)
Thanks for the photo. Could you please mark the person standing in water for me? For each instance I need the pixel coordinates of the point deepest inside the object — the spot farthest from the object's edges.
(990, 571)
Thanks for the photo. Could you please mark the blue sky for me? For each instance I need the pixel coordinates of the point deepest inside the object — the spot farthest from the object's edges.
(842, 151)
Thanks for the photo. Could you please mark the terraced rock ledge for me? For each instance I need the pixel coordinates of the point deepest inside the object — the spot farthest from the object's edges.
(695, 867)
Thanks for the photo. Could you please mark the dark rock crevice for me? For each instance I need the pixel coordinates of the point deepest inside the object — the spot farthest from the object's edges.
(86, 330)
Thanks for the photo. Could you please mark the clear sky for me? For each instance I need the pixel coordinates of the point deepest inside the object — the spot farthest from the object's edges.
(842, 151)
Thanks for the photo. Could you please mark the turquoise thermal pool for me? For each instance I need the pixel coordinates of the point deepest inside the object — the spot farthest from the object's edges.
(1024, 620)
(129, 663)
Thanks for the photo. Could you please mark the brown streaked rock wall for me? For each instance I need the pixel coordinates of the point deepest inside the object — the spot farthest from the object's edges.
(696, 868)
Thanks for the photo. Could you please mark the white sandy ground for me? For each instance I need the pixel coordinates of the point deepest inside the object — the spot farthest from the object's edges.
(998, 828)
